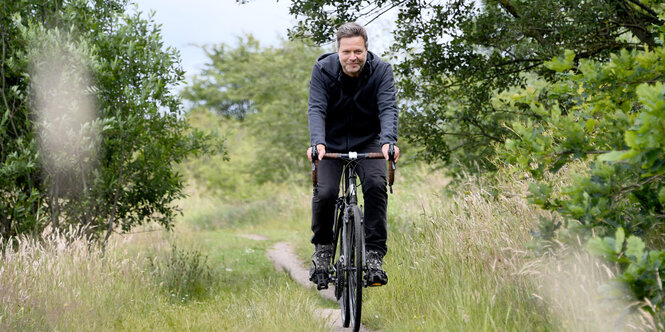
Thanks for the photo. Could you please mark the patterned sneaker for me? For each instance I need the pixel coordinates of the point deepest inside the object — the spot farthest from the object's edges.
(375, 276)
(319, 273)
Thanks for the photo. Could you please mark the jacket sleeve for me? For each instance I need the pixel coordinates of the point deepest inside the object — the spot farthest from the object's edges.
(318, 103)
(387, 104)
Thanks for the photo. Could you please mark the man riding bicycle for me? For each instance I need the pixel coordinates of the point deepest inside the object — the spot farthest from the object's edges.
(352, 107)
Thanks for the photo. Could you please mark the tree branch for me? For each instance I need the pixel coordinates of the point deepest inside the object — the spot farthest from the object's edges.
(625, 13)
(385, 11)
(509, 8)
(644, 7)
(640, 184)
(483, 132)
(569, 152)
(514, 61)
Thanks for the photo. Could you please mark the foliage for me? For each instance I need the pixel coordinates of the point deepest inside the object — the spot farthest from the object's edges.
(611, 110)
(454, 56)
(609, 114)
(643, 271)
(117, 180)
(267, 89)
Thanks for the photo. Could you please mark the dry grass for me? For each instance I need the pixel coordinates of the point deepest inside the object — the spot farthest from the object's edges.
(57, 282)
(453, 257)
(459, 260)
(60, 284)
(577, 289)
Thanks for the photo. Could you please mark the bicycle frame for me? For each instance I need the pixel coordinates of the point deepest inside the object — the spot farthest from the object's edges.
(348, 199)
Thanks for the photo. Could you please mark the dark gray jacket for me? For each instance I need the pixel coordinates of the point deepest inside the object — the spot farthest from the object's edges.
(333, 119)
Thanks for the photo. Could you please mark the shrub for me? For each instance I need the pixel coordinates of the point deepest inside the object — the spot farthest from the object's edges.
(184, 274)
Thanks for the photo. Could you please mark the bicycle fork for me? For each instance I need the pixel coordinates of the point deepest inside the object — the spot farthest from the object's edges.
(341, 267)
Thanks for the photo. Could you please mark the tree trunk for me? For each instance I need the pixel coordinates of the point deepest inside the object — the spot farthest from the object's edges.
(111, 222)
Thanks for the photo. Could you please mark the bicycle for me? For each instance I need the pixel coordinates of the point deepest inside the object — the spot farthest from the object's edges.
(348, 263)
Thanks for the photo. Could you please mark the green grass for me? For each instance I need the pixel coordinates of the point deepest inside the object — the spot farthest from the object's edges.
(51, 286)
(451, 258)
(457, 261)
(450, 263)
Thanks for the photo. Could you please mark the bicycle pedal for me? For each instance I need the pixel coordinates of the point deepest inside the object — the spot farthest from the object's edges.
(321, 282)
(375, 281)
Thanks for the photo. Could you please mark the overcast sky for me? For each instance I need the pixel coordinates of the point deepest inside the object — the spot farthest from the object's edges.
(188, 25)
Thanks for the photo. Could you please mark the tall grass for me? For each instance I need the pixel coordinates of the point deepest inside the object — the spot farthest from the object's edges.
(57, 283)
(142, 283)
(460, 260)
(453, 257)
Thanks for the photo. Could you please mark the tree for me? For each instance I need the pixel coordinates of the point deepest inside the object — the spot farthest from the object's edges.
(267, 89)
(122, 176)
(613, 117)
(453, 56)
(544, 84)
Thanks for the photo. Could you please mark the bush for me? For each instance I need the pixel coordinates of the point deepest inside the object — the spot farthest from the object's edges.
(183, 274)
(610, 115)
(108, 171)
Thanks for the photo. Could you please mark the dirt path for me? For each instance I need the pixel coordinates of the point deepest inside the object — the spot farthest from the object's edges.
(284, 258)
(254, 237)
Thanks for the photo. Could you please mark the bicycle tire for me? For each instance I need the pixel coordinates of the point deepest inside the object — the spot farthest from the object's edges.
(355, 277)
(342, 271)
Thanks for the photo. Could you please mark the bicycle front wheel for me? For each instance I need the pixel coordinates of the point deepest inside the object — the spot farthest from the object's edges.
(342, 266)
(356, 240)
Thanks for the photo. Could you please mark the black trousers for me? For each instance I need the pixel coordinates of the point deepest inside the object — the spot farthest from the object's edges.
(372, 175)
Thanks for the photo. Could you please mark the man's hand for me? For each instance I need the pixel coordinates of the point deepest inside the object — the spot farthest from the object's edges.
(320, 148)
(385, 148)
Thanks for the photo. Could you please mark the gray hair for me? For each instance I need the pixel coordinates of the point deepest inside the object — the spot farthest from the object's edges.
(351, 29)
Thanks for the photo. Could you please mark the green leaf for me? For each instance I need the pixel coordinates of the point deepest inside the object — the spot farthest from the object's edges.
(599, 247)
(630, 138)
(612, 156)
(635, 247)
(619, 236)
(561, 64)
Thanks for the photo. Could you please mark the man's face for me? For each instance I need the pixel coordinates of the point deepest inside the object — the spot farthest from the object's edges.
(352, 55)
